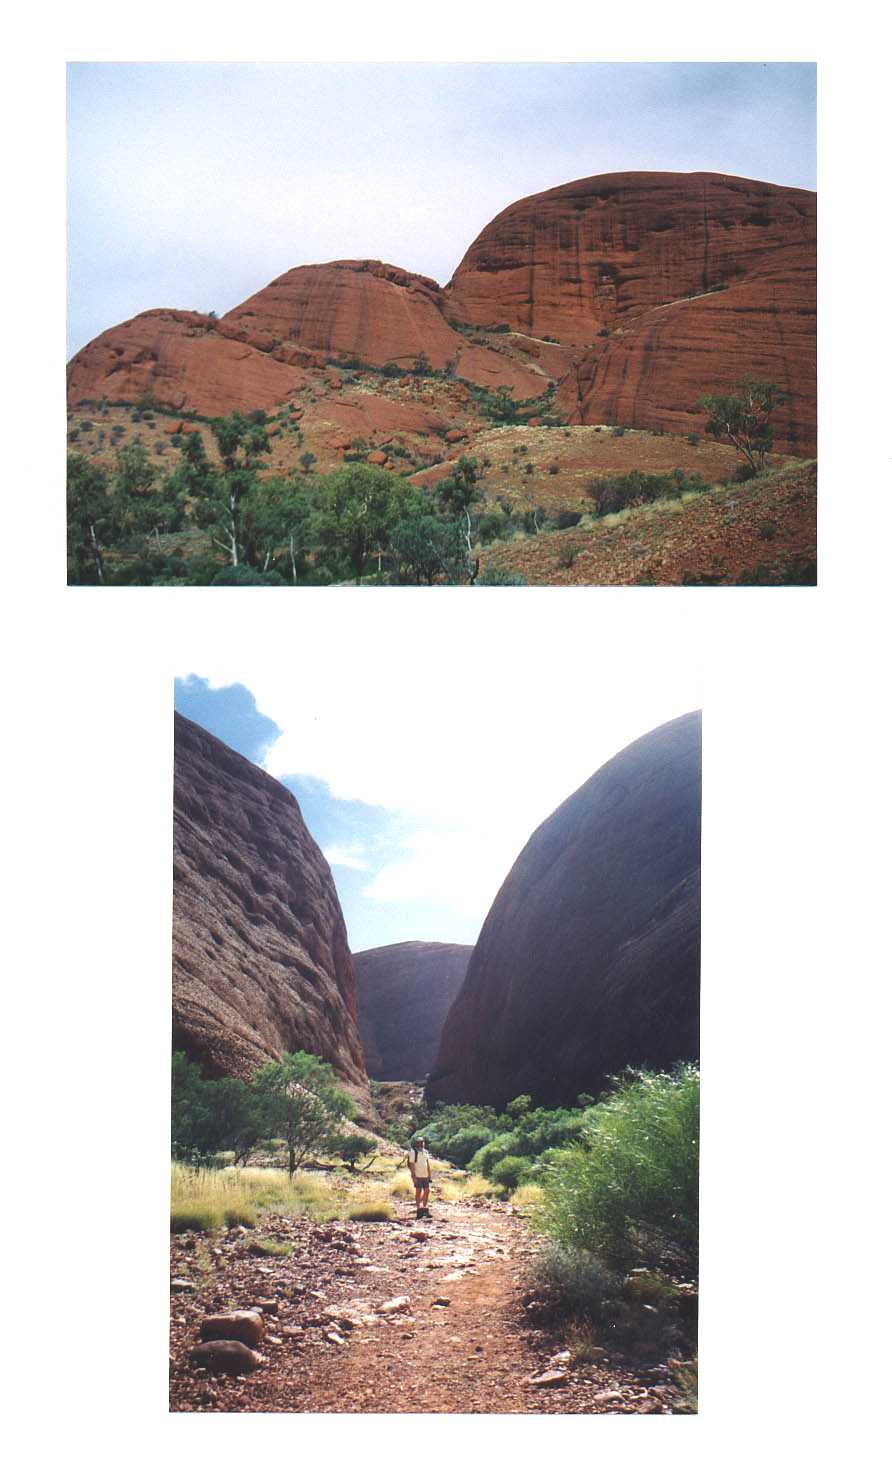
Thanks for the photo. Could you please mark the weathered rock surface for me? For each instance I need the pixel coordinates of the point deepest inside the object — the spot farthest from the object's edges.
(404, 992)
(609, 265)
(229, 1357)
(658, 287)
(589, 958)
(181, 359)
(246, 1326)
(261, 964)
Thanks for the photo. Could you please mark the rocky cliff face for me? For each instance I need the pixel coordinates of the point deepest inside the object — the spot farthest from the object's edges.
(261, 965)
(589, 958)
(404, 992)
(663, 285)
(659, 287)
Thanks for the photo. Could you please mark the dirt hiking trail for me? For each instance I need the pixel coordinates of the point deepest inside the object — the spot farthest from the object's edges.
(413, 1315)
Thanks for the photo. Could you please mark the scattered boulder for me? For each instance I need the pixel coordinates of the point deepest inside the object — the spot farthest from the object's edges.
(233, 1358)
(550, 1378)
(246, 1326)
(390, 1307)
(182, 1286)
(377, 456)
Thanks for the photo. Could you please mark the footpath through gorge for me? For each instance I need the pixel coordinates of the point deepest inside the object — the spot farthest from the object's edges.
(436, 1315)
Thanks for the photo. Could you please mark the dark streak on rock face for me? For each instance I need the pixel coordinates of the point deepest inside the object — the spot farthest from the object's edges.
(404, 992)
(589, 959)
(261, 964)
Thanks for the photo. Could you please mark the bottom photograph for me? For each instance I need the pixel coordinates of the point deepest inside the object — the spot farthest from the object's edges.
(435, 1062)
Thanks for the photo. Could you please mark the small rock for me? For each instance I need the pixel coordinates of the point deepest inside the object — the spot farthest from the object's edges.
(274, 1340)
(390, 1307)
(550, 1378)
(181, 1286)
(336, 1340)
(232, 1357)
(268, 1307)
(246, 1326)
(559, 1358)
(442, 1301)
(291, 1331)
(608, 1397)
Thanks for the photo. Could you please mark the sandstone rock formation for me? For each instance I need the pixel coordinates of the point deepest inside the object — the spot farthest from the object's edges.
(658, 287)
(261, 964)
(664, 285)
(404, 992)
(589, 958)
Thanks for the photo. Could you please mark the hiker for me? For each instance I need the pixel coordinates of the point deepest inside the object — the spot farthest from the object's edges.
(420, 1167)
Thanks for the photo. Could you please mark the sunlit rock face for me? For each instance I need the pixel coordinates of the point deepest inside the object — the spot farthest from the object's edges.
(261, 964)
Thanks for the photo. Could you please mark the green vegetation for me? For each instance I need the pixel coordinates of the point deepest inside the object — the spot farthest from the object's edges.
(743, 418)
(615, 492)
(629, 1194)
(300, 1102)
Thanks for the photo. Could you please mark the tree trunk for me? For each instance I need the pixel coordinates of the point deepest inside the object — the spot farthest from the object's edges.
(97, 554)
(292, 1163)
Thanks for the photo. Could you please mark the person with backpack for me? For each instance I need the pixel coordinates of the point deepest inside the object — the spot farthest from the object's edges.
(419, 1164)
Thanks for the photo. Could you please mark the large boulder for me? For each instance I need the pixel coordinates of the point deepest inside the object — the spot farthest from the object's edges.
(665, 286)
(261, 964)
(404, 992)
(589, 959)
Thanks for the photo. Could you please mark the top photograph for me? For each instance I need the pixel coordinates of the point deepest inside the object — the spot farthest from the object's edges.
(464, 325)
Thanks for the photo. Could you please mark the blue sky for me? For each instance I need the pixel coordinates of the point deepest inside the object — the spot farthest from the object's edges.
(194, 185)
(360, 841)
(420, 786)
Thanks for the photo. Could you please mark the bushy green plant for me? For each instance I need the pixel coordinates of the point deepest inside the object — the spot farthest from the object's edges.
(504, 1145)
(493, 576)
(462, 1145)
(631, 1192)
(577, 1282)
(511, 1172)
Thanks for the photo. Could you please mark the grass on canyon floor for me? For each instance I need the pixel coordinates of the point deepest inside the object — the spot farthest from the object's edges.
(207, 1199)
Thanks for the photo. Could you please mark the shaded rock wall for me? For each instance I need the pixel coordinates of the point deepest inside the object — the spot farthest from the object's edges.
(261, 965)
(589, 958)
(404, 992)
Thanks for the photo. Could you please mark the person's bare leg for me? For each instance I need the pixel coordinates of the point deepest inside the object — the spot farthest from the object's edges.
(425, 1196)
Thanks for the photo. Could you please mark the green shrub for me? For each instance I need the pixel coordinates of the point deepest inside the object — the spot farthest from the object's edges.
(463, 1144)
(511, 1172)
(496, 577)
(577, 1282)
(504, 1145)
(630, 1193)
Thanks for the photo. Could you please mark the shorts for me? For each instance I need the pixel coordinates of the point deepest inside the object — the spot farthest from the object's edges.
(422, 1182)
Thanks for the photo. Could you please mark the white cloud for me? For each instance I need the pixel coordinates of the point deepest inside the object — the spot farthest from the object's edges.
(346, 856)
(471, 713)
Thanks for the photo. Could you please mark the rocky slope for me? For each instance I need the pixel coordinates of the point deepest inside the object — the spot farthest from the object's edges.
(261, 964)
(589, 958)
(657, 286)
(404, 992)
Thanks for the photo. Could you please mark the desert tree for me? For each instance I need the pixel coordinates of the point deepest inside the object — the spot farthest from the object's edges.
(457, 494)
(91, 521)
(743, 418)
(242, 442)
(357, 506)
(301, 1103)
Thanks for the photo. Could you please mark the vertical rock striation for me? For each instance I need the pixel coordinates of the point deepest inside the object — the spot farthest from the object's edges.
(261, 964)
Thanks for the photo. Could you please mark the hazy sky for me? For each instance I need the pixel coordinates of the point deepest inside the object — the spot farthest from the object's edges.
(193, 186)
(419, 809)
